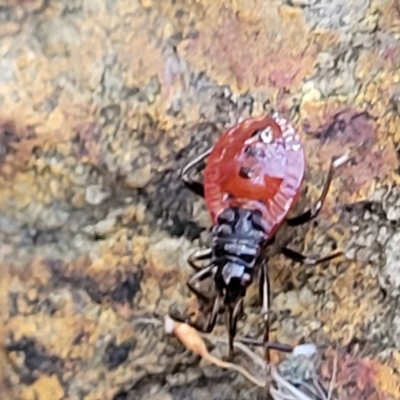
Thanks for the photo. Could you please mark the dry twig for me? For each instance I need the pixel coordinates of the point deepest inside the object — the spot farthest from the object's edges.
(192, 340)
(282, 389)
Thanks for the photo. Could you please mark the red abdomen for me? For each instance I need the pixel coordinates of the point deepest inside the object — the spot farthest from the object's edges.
(257, 164)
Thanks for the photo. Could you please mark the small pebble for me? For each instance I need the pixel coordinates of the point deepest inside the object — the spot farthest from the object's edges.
(32, 295)
(95, 195)
(106, 225)
(307, 349)
(101, 228)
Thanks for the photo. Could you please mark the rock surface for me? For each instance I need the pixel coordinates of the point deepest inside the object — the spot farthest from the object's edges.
(102, 102)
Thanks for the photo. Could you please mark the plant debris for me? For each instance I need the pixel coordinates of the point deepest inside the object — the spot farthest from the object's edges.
(294, 379)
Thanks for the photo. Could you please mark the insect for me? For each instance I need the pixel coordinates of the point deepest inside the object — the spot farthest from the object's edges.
(251, 180)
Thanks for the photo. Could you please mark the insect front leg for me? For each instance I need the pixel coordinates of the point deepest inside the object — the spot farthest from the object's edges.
(233, 316)
(212, 319)
(191, 184)
(313, 212)
(199, 255)
(205, 297)
(198, 277)
(296, 256)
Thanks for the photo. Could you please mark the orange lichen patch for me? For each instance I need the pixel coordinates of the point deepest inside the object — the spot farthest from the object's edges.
(5, 282)
(45, 93)
(149, 65)
(379, 91)
(376, 159)
(373, 156)
(314, 114)
(381, 96)
(361, 374)
(55, 333)
(28, 5)
(148, 60)
(24, 281)
(246, 51)
(390, 55)
(360, 378)
(46, 387)
(373, 67)
(390, 16)
(388, 379)
(17, 143)
(166, 261)
(5, 387)
(37, 272)
(165, 277)
(43, 187)
(378, 70)
(107, 277)
(354, 303)
(88, 135)
(23, 171)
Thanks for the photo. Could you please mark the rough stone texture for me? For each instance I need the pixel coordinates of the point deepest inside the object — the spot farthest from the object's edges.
(102, 102)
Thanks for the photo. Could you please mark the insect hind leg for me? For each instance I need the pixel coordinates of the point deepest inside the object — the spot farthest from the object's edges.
(189, 182)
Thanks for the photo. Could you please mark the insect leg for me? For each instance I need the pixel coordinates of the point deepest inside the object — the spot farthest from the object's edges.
(212, 319)
(199, 255)
(312, 212)
(194, 186)
(233, 315)
(295, 256)
(285, 348)
(200, 276)
(265, 295)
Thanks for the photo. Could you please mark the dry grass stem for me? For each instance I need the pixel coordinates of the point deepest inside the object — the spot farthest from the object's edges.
(334, 372)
